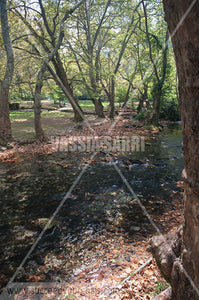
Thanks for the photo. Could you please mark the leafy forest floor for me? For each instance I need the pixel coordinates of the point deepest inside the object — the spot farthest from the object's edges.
(118, 253)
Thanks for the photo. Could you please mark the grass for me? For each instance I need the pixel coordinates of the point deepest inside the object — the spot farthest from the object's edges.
(88, 104)
(161, 286)
(21, 115)
(55, 114)
(29, 115)
(52, 119)
(23, 122)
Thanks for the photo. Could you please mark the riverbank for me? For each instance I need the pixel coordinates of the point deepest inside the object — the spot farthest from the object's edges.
(26, 147)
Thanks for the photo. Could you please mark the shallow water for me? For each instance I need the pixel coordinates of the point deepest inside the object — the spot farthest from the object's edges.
(99, 206)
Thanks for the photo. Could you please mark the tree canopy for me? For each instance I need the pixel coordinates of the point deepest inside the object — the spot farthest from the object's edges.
(109, 50)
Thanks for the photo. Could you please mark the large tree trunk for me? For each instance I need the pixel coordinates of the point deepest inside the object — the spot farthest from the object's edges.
(184, 270)
(5, 125)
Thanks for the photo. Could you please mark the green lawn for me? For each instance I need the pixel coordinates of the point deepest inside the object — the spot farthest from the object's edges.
(23, 120)
(88, 104)
(25, 115)
(29, 115)
(21, 115)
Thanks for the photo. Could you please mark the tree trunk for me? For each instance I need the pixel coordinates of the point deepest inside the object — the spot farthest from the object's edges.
(58, 65)
(156, 108)
(140, 105)
(160, 84)
(5, 125)
(64, 85)
(141, 101)
(184, 15)
(112, 99)
(127, 95)
(37, 105)
(99, 110)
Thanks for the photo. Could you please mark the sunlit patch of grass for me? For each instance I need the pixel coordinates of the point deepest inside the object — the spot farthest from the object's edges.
(54, 114)
(21, 115)
(88, 104)
(65, 115)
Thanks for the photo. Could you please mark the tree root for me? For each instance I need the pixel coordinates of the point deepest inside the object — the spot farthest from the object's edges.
(168, 251)
(165, 249)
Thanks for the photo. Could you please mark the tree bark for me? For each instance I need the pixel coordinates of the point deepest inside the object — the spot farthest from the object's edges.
(182, 17)
(156, 105)
(112, 99)
(58, 65)
(160, 80)
(160, 83)
(65, 86)
(98, 108)
(127, 95)
(142, 99)
(5, 124)
(37, 105)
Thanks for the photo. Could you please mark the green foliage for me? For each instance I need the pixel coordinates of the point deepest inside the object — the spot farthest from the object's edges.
(21, 115)
(121, 94)
(170, 111)
(84, 97)
(91, 54)
(140, 116)
(20, 94)
(58, 96)
(86, 104)
(161, 286)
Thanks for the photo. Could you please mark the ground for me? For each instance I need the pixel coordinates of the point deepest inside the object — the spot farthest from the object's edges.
(113, 274)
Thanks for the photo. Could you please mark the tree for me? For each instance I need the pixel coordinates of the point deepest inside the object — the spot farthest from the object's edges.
(40, 77)
(134, 71)
(91, 26)
(181, 265)
(5, 125)
(115, 57)
(160, 77)
(44, 31)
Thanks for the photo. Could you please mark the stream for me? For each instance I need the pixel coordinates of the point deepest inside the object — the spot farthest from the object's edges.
(99, 209)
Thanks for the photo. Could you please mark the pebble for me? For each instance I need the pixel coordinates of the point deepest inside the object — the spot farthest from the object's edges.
(135, 228)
